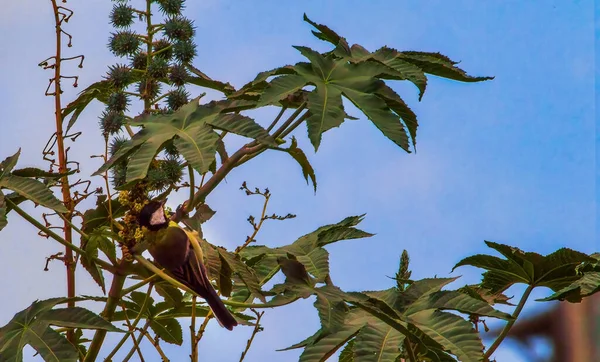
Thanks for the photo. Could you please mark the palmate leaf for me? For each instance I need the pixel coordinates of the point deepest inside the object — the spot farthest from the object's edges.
(347, 354)
(555, 271)
(196, 142)
(332, 79)
(32, 327)
(308, 250)
(583, 287)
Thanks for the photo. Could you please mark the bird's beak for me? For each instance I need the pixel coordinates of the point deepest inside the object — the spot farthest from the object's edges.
(163, 202)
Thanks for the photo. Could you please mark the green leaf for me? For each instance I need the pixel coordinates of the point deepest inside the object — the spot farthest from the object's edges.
(452, 332)
(38, 173)
(377, 342)
(169, 330)
(587, 285)
(328, 345)
(100, 216)
(31, 327)
(300, 157)
(396, 104)
(3, 211)
(440, 65)
(555, 271)
(51, 345)
(243, 271)
(331, 307)
(224, 281)
(455, 300)
(390, 57)
(324, 33)
(243, 126)
(87, 261)
(171, 294)
(99, 90)
(202, 80)
(8, 164)
(76, 317)
(32, 190)
(280, 88)
(347, 354)
(196, 140)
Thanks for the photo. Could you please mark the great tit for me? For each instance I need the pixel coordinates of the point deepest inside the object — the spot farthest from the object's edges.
(170, 247)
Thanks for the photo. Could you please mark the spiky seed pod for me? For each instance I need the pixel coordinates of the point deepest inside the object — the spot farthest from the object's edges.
(163, 49)
(177, 98)
(172, 167)
(118, 102)
(170, 149)
(119, 76)
(111, 122)
(184, 51)
(171, 7)
(121, 16)
(138, 61)
(178, 75)
(159, 68)
(116, 143)
(149, 89)
(179, 28)
(118, 174)
(124, 43)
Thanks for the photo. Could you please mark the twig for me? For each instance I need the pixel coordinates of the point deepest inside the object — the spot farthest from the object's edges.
(272, 125)
(257, 328)
(156, 345)
(510, 323)
(138, 340)
(139, 285)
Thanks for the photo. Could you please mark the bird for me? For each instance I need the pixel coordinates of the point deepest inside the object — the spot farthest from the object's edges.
(171, 248)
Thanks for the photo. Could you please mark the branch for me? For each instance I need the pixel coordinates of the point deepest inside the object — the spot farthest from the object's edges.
(132, 326)
(257, 328)
(510, 323)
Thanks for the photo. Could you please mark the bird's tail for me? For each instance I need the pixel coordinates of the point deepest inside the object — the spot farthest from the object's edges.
(194, 275)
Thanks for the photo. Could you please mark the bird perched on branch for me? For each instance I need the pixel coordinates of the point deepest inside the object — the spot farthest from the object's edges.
(171, 248)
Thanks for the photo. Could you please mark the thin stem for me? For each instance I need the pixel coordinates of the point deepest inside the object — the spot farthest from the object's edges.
(289, 120)
(257, 228)
(409, 349)
(202, 328)
(281, 112)
(194, 344)
(192, 189)
(84, 235)
(257, 329)
(131, 326)
(295, 125)
(138, 340)
(62, 162)
(114, 295)
(138, 285)
(154, 342)
(510, 323)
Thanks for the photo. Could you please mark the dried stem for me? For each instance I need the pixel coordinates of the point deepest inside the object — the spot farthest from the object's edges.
(257, 328)
(62, 158)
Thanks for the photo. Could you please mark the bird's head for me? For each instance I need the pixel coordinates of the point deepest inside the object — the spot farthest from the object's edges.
(153, 216)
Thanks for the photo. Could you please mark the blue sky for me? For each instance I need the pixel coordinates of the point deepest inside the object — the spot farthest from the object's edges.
(511, 160)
